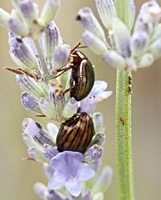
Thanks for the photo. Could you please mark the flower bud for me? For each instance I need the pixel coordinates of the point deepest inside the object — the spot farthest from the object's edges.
(155, 48)
(131, 13)
(22, 54)
(49, 152)
(94, 43)
(51, 39)
(99, 139)
(4, 18)
(60, 57)
(146, 60)
(114, 59)
(139, 43)
(30, 103)
(35, 130)
(104, 180)
(16, 26)
(90, 23)
(70, 108)
(49, 170)
(35, 153)
(49, 10)
(52, 131)
(31, 86)
(40, 189)
(28, 11)
(29, 141)
(47, 108)
(121, 37)
(106, 11)
(93, 153)
(98, 122)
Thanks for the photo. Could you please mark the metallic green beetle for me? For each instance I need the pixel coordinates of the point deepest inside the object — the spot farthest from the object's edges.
(82, 76)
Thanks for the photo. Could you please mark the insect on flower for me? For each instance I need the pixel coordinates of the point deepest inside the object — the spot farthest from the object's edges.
(76, 133)
(82, 76)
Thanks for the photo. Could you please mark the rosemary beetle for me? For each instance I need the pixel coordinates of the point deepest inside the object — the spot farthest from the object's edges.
(76, 133)
(82, 76)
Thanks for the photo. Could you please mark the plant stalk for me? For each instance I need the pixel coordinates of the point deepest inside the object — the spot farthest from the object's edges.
(123, 136)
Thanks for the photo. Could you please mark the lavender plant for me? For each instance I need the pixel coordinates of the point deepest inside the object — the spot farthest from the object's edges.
(126, 52)
(37, 47)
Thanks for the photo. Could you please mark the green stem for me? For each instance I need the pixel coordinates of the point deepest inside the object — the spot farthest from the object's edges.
(123, 136)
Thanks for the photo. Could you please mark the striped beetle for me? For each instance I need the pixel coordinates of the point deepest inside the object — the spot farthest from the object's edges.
(76, 133)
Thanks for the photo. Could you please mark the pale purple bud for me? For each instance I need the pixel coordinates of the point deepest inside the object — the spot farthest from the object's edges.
(49, 11)
(51, 195)
(48, 170)
(139, 43)
(106, 11)
(93, 153)
(104, 180)
(146, 60)
(114, 59)
(30, 103)
(60, 57)
(27, 11)
(4, 18)
(35, 153)
(94, 43)
(31, 86)
(47, 108)
(145, 20)
(121, 37)
(49, 152)
(35, 130)
(51, 38)
(40, 189)
(98, 122)
(70, 108)
(22, 54)
(155, 48)
(16, 26)
(90, 23)
(99, 139)
(52, 131)
(29, 141)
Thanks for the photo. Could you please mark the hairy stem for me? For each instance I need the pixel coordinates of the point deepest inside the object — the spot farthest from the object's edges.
(123, 136)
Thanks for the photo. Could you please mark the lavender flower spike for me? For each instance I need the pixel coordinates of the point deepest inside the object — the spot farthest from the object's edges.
(69, 172)
(49, 11)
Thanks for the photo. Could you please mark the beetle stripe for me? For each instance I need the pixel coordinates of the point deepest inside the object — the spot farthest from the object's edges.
(78, 142)
(73, 135)
(83, 137)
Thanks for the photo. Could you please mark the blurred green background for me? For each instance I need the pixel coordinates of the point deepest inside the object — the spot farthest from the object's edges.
(17, 177)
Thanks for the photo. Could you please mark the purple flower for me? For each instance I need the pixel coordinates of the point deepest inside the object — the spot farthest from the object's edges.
(97, 94)
(69, 172)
